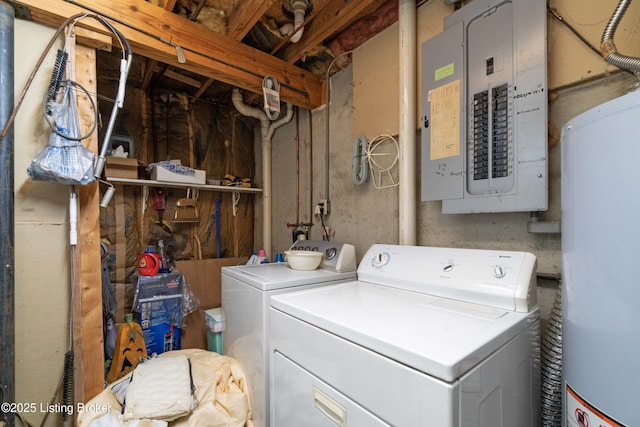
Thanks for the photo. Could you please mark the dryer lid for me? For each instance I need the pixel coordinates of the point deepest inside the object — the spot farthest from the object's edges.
(442, 337)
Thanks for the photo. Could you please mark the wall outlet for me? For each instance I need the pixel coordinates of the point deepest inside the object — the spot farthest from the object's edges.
(323, 207)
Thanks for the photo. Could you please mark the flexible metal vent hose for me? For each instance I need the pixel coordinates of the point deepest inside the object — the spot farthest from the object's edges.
(608, 47)
(551, 367)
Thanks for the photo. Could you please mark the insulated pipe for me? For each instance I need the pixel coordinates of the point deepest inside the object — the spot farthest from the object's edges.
(407, 132)
(7, 233)
(311, 210)
(267, 128)
(608, 47)
(297, 165)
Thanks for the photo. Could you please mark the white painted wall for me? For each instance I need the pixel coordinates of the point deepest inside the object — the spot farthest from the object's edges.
(42, 272)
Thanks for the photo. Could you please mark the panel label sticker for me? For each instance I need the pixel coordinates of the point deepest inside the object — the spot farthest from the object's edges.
(443, 72)
(445, 121)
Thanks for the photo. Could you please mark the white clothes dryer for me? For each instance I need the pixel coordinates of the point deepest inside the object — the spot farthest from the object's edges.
(246, 290)
(424, 337)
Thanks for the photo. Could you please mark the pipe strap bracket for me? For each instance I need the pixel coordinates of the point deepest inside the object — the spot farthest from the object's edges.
(607, 48)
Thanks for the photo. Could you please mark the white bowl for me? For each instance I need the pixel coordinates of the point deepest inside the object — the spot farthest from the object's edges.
(303, 260)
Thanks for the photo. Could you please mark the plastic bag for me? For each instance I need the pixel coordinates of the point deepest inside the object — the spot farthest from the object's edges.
(64, 160)
(168, 295)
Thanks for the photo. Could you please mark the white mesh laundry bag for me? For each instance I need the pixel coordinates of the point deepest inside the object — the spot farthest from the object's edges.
(65, 160)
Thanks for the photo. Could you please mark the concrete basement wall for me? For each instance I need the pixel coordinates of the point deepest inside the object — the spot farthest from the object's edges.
(364, 101)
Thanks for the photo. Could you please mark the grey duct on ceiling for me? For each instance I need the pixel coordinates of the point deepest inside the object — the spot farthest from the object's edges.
(7, 234)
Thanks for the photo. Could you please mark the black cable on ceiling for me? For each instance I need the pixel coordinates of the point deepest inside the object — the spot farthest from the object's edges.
(556, 15)
(559, 17)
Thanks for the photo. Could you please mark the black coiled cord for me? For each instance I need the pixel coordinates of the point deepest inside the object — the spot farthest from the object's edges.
(67, 386)
(57, 74)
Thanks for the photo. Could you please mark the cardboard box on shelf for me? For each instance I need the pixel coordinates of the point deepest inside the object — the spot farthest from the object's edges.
(121, 167)
(161, 173)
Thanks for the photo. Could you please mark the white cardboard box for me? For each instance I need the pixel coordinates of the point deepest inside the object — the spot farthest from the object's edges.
(159, 173)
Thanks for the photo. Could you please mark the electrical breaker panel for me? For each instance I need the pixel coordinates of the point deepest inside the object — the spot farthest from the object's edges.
(484, 109)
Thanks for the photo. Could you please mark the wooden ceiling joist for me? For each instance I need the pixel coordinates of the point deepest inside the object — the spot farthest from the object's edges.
(179, 77)
(244, 16)
(147, 28)
(151, 64)
(203, 87)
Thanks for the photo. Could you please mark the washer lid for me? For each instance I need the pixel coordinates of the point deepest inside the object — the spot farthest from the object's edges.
(267, 277)
(438, 336)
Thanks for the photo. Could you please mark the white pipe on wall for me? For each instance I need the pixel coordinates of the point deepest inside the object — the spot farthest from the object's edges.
(267, 128)
(299, 11)
(407, 132)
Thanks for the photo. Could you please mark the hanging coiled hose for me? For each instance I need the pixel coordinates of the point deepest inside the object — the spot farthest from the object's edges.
(382, 157)
(551, 367)
(359, 169)
(608, 47)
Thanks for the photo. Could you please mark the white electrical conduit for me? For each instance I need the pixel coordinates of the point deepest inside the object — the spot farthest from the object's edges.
(407, 132)
(267, 129)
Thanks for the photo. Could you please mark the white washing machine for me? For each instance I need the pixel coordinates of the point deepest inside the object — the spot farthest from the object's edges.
(245, 300)
(425, 336)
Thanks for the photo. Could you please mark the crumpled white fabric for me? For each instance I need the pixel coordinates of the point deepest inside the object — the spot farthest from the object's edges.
(110, 419)
(221, 391)
(160, 389)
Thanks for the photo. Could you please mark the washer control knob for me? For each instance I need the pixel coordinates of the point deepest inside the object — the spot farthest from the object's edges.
(330, 253)
(380, 259)
(499, 272)
(448, 268)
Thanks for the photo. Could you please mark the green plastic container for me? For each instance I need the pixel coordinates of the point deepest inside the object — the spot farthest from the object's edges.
(214, 318)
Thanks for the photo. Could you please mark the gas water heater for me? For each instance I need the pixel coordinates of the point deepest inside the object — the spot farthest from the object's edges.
(484, 109)
(601, 253)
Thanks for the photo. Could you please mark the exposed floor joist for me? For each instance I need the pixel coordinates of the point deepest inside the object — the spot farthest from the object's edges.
(148, 28)
(245, 16)
(151, 63)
